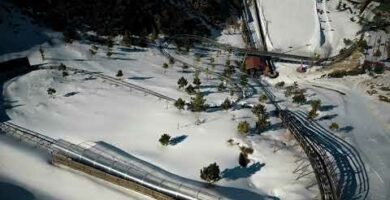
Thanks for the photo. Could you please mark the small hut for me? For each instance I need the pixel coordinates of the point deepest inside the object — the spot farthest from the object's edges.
(255, 64)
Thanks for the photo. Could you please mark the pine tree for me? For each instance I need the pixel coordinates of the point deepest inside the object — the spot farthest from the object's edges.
(126, 39)
(171, 61)
(315, 104)
(119, 73)
(243, 127)
(210, 173)
(299, 98)
(165, 66)
(243, 160)
(334, 126)
(196, 81)
(198, 103)
(244, 80)
(42, 53)
(65, 74)
(263, 98)
(221, 87)
(227, 104)
(51, 91)
(182, 82)
(164, 139)
(190, 89)
(262, 118)
(179, 104)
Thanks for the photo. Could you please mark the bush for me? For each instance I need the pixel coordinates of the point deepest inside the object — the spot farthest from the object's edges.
(51, 91)
(210, 173)
(62, 67)
(119, 73)
(243, 160)
(334, 126)
(171, 61)
(263, 98)
(379, 69)
(65, 74)
(182, 82)
(198, 103)
(347, 42)
(180, 103)
(315, 104)
(190, 89)
(227, 104)
(221, 87)
(197, 81)
(280, 84)
(243, 127)
(164, 139)
(246, 150)
(299, 98)
(312, 114)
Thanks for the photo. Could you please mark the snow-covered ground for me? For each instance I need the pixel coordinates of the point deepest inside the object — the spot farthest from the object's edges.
(307, 27)
(89, 109)
(364, 120)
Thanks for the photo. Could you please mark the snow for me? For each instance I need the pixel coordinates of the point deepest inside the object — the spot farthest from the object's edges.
(307, 27)
(364, 120)
(89, 109)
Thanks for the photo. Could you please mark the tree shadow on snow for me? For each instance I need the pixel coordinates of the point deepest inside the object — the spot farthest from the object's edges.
(346, 129)
(327, 117)
(327, 108)
(140, 78)
(176, 140)
(69, 94)
(241, 172)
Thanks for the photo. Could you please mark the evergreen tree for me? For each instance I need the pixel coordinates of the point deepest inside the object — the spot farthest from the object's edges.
(65, 74)
(334, 126)
(221, 87)
(243, 127)
(179, 104)
(119, 73)
(164, 139)
(227, 104)
(51, 91)
(182, 82)
(62, 67)
(210, 173)
(126, 39)
(198, 103)
(263, 98)
(244, 80)
(165, 67)
(109, 53)
(299, 98)
(171, 61)
(259, 110)
(196, 81)
(243, 160)
(190, 89)
(42, 53)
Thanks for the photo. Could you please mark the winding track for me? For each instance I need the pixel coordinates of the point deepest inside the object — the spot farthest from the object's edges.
(339, 170)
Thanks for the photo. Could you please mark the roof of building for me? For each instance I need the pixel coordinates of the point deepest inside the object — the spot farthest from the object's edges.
(254, 62)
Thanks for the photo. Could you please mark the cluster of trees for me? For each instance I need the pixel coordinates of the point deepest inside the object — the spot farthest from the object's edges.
(138, 17)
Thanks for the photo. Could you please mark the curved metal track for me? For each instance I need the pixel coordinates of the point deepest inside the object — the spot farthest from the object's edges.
(338, 168)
